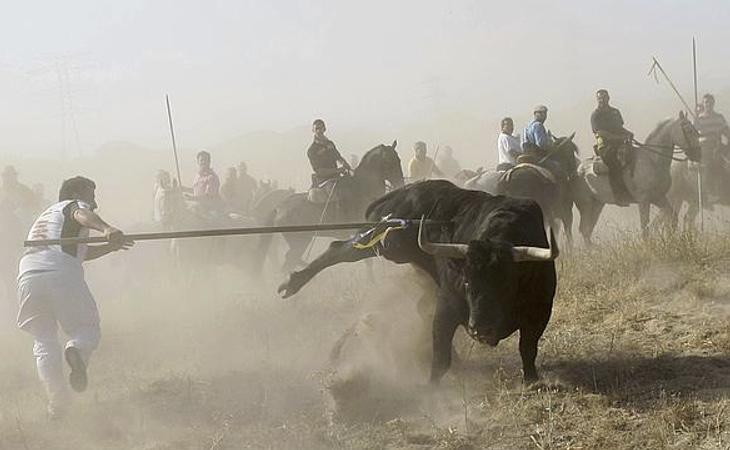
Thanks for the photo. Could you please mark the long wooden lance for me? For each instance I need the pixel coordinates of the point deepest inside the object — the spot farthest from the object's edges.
(215, 233)
(700, 194)
(174, 144)
(652, 71)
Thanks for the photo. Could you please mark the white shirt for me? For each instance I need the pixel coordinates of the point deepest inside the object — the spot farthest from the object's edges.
(505, 144)
(56, 222)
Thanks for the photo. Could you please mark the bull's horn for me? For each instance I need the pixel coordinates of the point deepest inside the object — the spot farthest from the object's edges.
(456, 251)
(521, 254)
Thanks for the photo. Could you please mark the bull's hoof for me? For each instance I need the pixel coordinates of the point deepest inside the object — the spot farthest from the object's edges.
(531, 379)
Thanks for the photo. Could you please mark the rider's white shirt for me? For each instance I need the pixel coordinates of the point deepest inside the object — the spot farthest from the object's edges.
(505, 144)
(54, 223)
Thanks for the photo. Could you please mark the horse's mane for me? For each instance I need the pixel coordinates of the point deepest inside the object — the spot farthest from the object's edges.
(369, 154)
(659, 129)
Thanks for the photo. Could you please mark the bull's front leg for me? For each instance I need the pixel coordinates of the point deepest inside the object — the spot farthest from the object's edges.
(530, 333)
(445, 322)
(338, 252)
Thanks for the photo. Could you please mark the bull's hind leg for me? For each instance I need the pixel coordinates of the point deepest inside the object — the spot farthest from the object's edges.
(338, 252)
(445, 322)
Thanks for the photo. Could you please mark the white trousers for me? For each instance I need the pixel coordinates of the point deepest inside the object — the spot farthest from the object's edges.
(50, 299)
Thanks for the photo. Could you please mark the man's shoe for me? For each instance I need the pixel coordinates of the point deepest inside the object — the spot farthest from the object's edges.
(77, 378)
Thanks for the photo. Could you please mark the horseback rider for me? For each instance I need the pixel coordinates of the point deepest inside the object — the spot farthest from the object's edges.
(19, 197)
(206, 186)
(324, 156)
(611, 137)
(536, 140)
(508, 146)
(422, 166)
(712, 127)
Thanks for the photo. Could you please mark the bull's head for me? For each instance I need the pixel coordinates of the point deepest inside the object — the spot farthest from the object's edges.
(488, 283)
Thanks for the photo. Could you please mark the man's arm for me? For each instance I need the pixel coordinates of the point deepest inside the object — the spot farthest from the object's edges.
(725, 130)
(594, 122)
(541, 137)
(340, 159)
(97, 251)
(412, 168)
(116, 238)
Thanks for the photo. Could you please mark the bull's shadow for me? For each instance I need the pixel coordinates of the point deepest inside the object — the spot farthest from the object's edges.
(638, 381)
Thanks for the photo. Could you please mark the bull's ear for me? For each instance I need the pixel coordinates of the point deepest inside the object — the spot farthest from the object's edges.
(395, 144)
(571, 137)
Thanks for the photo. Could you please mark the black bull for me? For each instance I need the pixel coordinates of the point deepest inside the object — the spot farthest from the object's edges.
(498, 279)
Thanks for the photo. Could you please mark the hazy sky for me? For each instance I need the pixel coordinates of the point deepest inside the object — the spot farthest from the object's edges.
(383, 66)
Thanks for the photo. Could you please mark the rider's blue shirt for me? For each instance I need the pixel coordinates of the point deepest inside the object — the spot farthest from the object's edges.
(536, 133)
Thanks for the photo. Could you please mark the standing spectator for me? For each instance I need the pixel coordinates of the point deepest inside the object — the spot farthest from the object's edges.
(447, 163)
(247, 186)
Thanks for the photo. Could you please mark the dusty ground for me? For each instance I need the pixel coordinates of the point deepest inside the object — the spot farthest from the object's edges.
(636, 356)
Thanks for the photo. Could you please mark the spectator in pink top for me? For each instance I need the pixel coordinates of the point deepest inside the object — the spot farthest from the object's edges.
(206, 186)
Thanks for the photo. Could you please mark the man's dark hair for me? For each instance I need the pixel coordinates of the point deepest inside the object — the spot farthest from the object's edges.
(202, 153)
(71, 188)
(505, 120)
(709, 97)
(602, 91)
(318, 122)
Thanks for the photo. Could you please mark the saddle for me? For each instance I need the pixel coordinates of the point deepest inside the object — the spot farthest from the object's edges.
(545, 173)
(323, 192)
(599, 167)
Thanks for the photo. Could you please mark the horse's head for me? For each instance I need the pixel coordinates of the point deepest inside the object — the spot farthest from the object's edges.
(169, 201)
(383, 163)
(565, 153)
(685, 136)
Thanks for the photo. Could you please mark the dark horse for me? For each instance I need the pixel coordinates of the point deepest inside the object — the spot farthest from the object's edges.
(378, 168)
(547, 182)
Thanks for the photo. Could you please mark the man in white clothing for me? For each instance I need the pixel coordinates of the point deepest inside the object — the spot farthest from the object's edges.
(52, 290)
(508, 146)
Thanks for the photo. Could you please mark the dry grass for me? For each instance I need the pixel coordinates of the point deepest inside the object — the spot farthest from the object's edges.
(636, 356)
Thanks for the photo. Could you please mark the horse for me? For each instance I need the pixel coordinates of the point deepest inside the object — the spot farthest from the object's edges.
(647, 178)
(684, 188)
(547, 182)
(378, 168)
(173, 212)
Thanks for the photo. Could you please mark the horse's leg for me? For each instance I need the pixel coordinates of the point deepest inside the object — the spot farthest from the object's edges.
(338, 252)
(668, 211)
(567, 218)
(690, 217)
(644, 218)
(590, 211)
